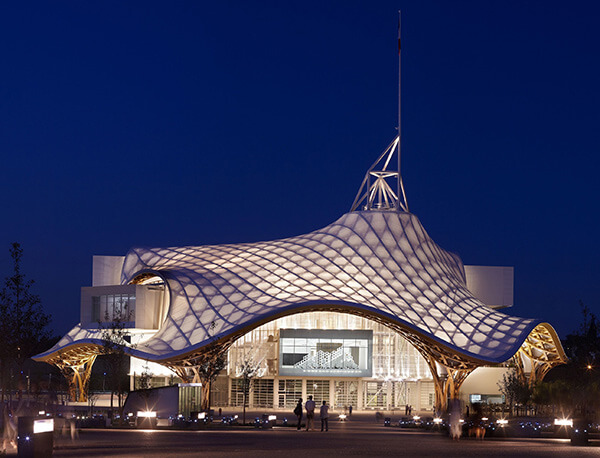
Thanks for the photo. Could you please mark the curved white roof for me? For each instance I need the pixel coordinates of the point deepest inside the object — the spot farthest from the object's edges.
(380, 261)
(377, 263)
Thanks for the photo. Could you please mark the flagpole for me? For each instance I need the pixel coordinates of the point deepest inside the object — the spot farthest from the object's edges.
(400, 190)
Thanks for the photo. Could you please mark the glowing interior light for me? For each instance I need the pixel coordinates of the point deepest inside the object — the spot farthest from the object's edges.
(484, 418)
(416, 417)
(201, 415)
(437, 420)
(146, 414)
(502, 421)
(272, 417)
(461, 421)
(563, 422)
(311, 264)
(42, 412)
(43, 426)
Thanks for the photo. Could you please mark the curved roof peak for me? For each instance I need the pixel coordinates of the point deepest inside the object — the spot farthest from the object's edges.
(381, 261)
(375, 263)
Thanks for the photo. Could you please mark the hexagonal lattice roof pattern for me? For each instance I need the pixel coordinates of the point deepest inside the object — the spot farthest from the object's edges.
(379, 261)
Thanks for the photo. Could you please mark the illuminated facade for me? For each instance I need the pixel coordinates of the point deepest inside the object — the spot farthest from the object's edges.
(389, 373)
(407, 322)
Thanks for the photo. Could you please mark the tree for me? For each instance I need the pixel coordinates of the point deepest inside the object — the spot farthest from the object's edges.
(583, 346)
(248, 371)
(574, 386)
(114, 337)
(209, 367)
(144, 384)
(145, 378)
(515, 390)
(23, 326)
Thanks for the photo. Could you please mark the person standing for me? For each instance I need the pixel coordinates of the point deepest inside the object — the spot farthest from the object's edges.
(310, 413)
(9, 435)
(324, 414)
(298, 413)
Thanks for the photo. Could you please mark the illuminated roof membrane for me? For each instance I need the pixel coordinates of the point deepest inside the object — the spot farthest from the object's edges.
(382, 262)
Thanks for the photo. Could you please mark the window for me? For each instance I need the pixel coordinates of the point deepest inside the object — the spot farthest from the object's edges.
(289, 392)
(318, 389)
(341, 353)
(96, 308)
(375, 395)
(263, 392)
(110, 307)
(346, 394)
(237, 393)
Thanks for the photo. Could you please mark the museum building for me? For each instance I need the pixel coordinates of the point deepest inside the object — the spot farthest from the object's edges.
(366, 312)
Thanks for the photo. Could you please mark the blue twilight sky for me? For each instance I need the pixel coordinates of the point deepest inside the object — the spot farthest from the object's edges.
(177, 123)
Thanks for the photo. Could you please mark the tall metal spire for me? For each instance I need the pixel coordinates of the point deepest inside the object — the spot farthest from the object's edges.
(400, 190)
(377, 191)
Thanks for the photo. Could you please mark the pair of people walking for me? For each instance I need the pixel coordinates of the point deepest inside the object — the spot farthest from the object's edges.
(310, 414)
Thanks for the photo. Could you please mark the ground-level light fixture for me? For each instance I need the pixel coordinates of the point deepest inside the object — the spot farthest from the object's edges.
(43, 426)
(563, 422)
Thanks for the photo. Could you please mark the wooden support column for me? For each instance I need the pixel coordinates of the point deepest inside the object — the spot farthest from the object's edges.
(541, 354)
(78, 375)
(447, 386)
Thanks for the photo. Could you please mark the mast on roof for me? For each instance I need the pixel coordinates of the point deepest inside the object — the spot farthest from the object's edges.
(377, 191)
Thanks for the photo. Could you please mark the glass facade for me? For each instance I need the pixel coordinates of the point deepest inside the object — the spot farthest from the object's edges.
(330, 343)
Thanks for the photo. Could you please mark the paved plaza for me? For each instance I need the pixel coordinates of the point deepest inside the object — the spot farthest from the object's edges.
(357, 437)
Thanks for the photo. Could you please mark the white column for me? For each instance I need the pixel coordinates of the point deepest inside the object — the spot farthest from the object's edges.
(304, 389)
(275, 393)
(229, 403)
(331, 393)
(359, 395)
